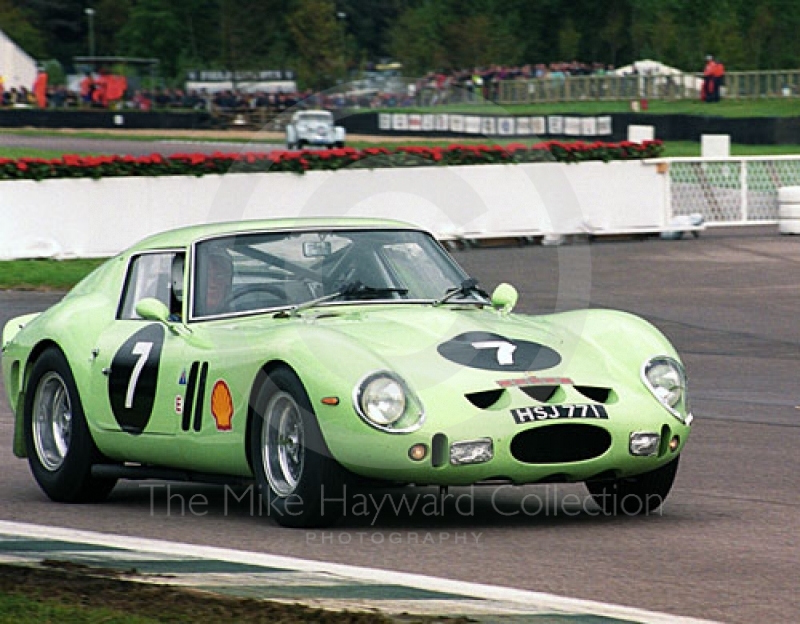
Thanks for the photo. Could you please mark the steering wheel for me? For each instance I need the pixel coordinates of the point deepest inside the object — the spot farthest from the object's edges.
(253, 289)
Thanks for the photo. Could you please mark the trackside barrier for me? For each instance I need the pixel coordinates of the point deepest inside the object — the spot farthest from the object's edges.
(91, 218)
(728, 191)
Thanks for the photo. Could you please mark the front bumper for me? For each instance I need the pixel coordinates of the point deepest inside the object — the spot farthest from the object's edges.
(557, 450)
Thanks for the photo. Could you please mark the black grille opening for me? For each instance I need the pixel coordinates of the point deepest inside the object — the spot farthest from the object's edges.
(485, 399)
(540, 393)
(600, 395)
(439, 447)
(555, 444)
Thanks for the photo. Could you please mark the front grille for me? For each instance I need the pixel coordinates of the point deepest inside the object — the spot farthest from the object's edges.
(556, 444)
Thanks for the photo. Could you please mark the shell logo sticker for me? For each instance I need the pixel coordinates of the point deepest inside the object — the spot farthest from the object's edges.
(222, 405)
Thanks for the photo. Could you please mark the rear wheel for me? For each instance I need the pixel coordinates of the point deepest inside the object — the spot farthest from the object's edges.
(60, 448)
(633, 496)
(301, 484)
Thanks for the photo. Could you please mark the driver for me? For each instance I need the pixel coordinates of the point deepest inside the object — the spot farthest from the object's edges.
(219, 278)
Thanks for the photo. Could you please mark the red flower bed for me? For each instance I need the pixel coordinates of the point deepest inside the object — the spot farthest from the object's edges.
(71, 166)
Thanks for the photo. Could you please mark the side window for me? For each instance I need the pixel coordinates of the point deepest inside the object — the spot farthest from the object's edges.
(156, 275)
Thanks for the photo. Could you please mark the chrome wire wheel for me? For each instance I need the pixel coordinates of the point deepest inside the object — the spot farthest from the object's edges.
(52, 421)
(282, 444)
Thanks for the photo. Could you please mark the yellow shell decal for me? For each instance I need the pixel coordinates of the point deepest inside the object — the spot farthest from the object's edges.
(222, 405)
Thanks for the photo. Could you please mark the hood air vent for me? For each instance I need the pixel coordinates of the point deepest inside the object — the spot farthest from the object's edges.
(599, 395)
(485, 399)
(540, 393)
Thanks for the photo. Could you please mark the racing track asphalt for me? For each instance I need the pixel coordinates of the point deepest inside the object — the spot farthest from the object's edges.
(68, 144)
(726, 546)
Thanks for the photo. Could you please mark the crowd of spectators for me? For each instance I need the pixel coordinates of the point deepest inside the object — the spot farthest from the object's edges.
(436, 87)
(485, 81)
(166, 99)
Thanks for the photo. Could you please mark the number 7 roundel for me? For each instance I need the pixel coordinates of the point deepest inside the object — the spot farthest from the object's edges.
(133, 380)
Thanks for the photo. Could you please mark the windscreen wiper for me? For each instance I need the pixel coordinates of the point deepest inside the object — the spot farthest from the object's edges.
(350, 291)
(467, 287)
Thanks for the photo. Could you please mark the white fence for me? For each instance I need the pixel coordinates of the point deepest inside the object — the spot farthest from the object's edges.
(729, 191)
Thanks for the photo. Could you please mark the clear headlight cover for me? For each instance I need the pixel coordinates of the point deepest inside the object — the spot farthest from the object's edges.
(666, 379)
(383, 400)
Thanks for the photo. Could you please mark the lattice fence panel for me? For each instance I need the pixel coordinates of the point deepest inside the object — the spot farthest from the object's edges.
(715, 189)
(764, 178)
(711, 188)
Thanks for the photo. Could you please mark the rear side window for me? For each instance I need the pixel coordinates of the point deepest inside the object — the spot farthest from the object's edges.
(153, 275)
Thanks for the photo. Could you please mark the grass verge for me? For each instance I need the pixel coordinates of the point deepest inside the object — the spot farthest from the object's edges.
(44, 274)
(64, 592)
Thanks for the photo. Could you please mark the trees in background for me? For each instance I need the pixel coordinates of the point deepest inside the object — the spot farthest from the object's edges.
(320, 39)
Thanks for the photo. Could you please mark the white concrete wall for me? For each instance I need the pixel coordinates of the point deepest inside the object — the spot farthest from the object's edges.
(88, 218)
(17, 68)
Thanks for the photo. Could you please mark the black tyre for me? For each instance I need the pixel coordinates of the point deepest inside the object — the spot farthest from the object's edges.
(57, 439)
(301, 485)
(633, 496)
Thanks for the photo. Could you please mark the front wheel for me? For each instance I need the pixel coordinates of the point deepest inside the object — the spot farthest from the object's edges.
(633, 496)
(301, 485)
(59, 445)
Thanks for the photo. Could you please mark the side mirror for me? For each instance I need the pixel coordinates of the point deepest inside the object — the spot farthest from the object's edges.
(153, 310)
(504, 298)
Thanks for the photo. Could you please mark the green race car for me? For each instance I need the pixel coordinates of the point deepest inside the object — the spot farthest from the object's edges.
(306, 355)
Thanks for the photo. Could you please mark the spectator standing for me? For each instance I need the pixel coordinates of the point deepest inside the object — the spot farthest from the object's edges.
(87, 89)
(719, 79)
(40, 88)
(100, 92)
(708, 92)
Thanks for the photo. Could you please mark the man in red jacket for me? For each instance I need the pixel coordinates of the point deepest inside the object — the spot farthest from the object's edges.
(719, 79)
(707, 90)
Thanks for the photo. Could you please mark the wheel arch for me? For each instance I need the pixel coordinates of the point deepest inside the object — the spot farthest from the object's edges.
(19, 414)
(261, 375)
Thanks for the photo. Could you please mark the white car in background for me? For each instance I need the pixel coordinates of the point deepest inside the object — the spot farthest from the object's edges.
(313, 127)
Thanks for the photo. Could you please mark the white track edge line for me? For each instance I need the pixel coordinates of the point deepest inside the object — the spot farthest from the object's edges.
(418, 581)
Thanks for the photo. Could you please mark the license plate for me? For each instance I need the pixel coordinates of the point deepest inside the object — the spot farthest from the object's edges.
(539, 413)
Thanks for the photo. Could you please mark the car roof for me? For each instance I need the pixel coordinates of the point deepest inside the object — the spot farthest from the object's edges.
(181, 237)
(313, 113)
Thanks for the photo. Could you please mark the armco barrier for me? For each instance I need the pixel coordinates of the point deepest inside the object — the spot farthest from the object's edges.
(91, 218)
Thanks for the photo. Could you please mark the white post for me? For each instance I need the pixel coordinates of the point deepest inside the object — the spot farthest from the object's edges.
(639, 134)
(715, 145)
(743, 173)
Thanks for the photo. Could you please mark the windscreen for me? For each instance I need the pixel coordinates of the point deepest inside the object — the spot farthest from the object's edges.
(251, 272)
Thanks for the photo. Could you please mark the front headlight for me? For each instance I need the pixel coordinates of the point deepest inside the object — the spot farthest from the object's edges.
(383, 400)
(666, 379)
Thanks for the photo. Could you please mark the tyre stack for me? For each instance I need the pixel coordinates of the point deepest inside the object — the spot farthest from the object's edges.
(789, 210)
